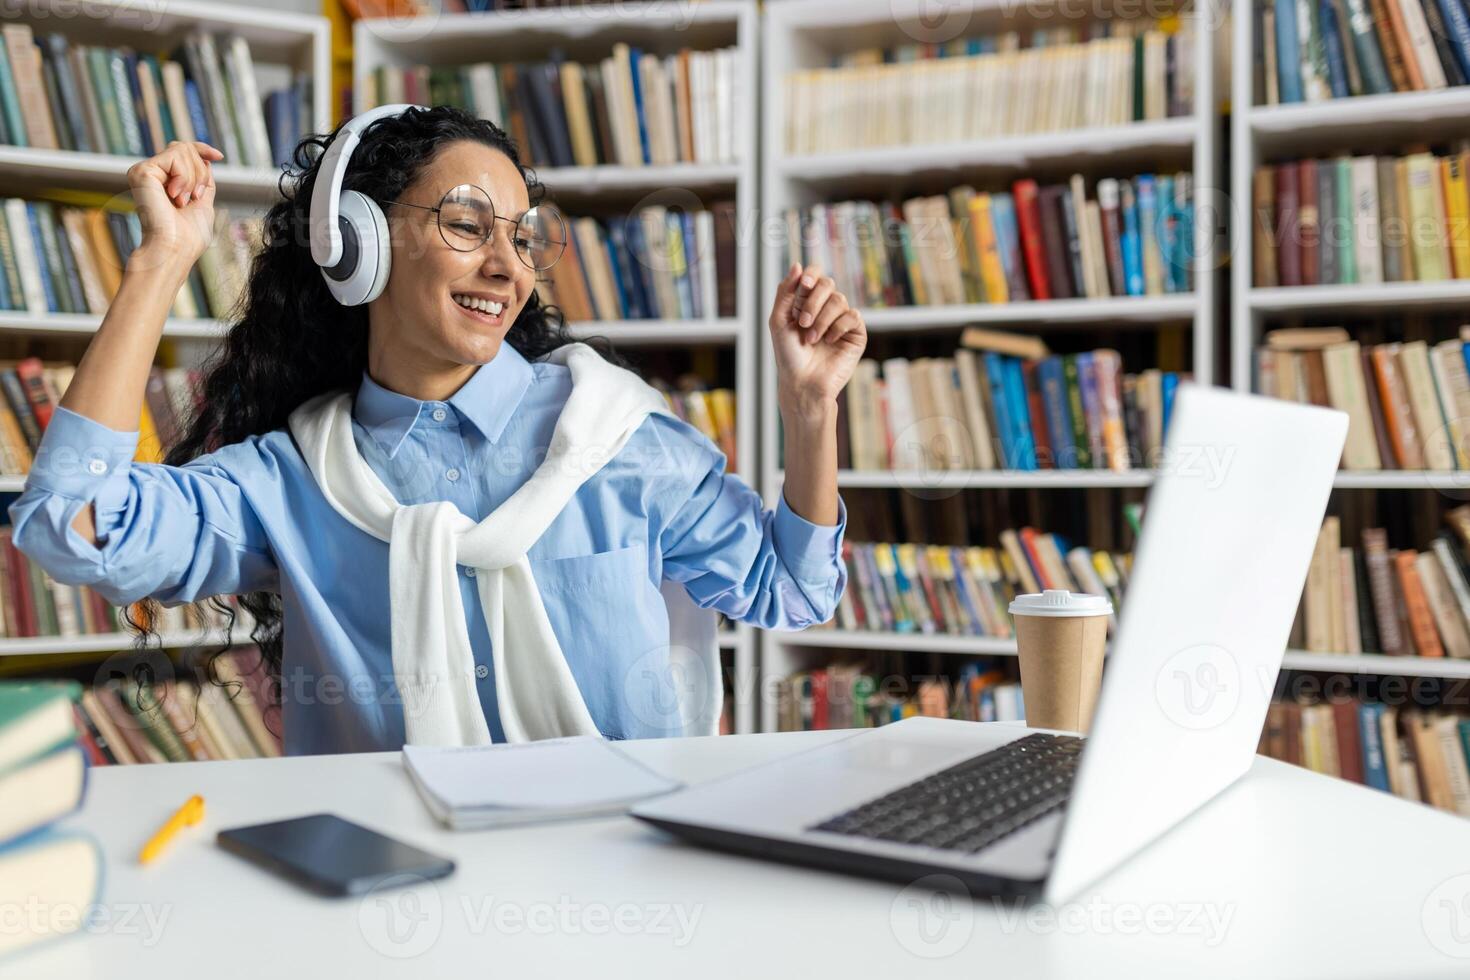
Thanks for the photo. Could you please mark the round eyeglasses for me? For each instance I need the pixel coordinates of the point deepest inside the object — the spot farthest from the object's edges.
(467, 219)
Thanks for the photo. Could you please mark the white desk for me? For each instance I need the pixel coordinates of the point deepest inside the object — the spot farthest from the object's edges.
(1318, 878)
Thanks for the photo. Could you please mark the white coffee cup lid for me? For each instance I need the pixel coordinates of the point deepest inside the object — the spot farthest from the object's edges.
(1060, 602)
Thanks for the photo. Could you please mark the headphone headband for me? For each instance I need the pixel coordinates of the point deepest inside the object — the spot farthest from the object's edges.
(326, 239)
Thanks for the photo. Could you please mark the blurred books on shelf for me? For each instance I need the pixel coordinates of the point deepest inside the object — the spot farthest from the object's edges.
(1133, 237)
(632, 109)
(57, 95)
(710, 410)
(1110, 72)
(1362, 219)
(1341, 48)
(1408, 402)
(657, 263)
(57, 258)
(854, 694)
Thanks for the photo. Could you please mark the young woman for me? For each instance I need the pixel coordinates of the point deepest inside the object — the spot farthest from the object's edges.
(456, 376)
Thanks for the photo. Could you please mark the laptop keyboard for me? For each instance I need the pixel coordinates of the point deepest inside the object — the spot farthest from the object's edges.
(971, 805)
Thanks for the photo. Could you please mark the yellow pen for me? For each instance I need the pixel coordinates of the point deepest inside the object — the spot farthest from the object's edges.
(186, 816)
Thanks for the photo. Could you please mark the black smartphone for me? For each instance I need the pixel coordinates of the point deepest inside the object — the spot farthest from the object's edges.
(330, 855)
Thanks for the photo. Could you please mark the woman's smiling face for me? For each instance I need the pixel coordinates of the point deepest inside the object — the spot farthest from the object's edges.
(422, 316)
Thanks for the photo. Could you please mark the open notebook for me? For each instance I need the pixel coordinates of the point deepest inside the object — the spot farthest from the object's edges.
(482, 786)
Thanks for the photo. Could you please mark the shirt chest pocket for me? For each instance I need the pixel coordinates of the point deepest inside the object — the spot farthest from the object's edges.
(604, 573)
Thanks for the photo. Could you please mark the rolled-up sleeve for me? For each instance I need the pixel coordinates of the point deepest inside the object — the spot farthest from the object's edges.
(770, 568)
(173, 533)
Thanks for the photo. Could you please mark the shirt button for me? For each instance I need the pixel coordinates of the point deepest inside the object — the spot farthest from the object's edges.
(481, 671)
(97, 467)
(439, 415)
(469, 571)
(451, 474)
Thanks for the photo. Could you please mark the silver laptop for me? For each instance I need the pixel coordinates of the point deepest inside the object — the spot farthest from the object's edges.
(1228, 535)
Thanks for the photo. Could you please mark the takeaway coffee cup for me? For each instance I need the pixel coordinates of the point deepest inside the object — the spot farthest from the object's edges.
(1060, 638)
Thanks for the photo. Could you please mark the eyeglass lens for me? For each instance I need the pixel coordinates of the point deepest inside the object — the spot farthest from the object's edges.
(467, 220)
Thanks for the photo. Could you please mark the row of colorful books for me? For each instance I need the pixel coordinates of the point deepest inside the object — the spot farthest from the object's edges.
(1134, 238)
(965, 591)
(43, 777)
(710, 410)
(57, 258)
(1113, 72)
(632, 108)
(1412, 752)
(998, 404)
(1313, 50)
(1362, 219)
(853, 695)
(58, 95)
(1377, 599)
(32, 603)
(1408, 403)
(32, 389)
(655, 263)
(184, 719)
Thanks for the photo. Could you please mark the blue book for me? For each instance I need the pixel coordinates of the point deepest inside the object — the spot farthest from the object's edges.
(701, 305)
(1025, 443)
(47, 285)
(1184, 240)
(1148, 221)
(1058, 416)
(1288, 52)
(995, 373)
(10, 102)
(633, 56)
(1168, 229)
(1168, 384)
(1008, 243)
(1091, 406)
(1332, 42)
(1375, 770)
(962, 590)
(617, 251)
(1132, 242)
(1457, 22)
(642, 265)
(197, 118)
(280, 122)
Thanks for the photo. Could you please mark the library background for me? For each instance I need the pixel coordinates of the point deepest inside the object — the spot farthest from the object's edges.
(1050, 213)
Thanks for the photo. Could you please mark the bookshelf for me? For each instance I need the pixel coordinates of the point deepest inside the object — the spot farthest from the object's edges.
(587, 34)
(1266, 134)
(806, 34)
(280, 44)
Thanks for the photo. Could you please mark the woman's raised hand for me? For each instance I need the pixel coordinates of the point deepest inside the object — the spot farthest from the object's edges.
(174, 194)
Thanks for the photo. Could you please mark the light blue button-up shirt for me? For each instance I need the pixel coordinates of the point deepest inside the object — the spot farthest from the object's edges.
(250, 516)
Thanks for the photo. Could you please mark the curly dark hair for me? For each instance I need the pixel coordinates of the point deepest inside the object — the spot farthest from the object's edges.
(290, 340)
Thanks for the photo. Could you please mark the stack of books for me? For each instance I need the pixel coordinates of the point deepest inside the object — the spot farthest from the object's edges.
(1110, 72)
(32, 390)
(655, 263)
(1363, 219)
(57, 258)
(128, 722)
(966, 591)
(43, 777)
(1333, 49)
(1004, 401)
(93, 99)
(1408, 403)
(850, 695)
(1374, 598)
(1412, 752)
(632, 109)
(1133, 238)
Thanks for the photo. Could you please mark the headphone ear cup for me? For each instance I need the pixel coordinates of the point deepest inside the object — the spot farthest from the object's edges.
(366, 252)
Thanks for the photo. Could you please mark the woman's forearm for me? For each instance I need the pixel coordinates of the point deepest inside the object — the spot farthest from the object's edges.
(110, 381)
(811, 459)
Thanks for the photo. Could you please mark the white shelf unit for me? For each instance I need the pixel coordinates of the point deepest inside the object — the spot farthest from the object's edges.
(804, 34)
(277, 40)
(587, 34)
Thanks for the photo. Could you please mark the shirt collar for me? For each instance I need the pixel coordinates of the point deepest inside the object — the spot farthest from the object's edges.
(487, 400)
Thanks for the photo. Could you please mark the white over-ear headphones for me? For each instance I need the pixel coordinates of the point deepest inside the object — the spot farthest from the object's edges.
(349, 235)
